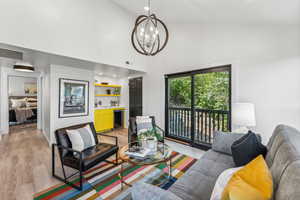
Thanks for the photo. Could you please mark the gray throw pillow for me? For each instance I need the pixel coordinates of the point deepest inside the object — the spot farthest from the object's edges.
(81, 138)
(144, 191)
(223, 141)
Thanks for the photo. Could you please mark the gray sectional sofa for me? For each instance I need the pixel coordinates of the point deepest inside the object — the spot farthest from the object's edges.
(283, 159)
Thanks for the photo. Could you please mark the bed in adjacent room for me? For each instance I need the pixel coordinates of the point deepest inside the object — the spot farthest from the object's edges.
(22, 109)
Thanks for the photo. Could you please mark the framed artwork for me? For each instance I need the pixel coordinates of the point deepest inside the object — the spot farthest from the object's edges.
(30, 88)
(73, 98)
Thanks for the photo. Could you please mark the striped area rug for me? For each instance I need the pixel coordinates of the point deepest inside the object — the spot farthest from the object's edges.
(103, 182)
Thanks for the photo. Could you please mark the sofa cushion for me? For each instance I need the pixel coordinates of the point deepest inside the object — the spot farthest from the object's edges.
(281, 134)
(198, 182)
(288, 188)
(223, 141)
(277, 130)
(278, 141)
(285, 155)
(246, 149)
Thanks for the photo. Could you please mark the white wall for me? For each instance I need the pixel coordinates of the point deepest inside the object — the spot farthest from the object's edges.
(265, 62)
(57, 72)
(16, 85)
(93, 30)
(47, 103)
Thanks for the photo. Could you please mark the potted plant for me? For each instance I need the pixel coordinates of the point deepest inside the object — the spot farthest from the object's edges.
(149, 138)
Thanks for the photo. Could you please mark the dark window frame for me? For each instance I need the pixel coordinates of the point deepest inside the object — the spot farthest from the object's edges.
(222, 68)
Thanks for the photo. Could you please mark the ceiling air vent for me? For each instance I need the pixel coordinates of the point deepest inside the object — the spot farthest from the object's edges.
(5, 53)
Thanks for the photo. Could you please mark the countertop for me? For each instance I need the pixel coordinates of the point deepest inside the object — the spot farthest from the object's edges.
(110, 107)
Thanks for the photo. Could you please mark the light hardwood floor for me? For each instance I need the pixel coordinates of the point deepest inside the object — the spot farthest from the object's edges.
(25, 161)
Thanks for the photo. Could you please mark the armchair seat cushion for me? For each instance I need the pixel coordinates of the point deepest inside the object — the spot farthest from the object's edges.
(91, 156)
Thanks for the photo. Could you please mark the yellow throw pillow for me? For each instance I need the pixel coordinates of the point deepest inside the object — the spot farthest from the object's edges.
(252, 182)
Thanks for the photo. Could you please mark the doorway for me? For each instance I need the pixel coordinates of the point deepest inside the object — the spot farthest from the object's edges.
(4, 106)
(136, 97)
(197, 104)
(22, 103)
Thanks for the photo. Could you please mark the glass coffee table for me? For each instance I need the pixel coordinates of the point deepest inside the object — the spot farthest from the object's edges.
(162, 155)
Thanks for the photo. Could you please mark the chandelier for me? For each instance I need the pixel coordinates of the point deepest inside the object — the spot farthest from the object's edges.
(150, 35)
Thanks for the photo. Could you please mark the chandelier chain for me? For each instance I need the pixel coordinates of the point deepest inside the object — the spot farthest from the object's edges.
(149, 8)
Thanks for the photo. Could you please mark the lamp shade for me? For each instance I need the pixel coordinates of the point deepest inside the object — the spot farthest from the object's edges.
(243, 114)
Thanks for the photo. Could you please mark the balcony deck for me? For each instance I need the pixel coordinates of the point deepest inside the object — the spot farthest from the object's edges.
(180, 124)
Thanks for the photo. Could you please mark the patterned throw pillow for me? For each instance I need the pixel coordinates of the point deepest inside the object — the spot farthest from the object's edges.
(143, 123)
(81, 138)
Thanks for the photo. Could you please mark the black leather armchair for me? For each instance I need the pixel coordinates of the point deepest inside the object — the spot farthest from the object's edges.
(132, 129)
(84, 160)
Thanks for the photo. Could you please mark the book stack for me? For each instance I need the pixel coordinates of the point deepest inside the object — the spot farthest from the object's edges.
(141, 153)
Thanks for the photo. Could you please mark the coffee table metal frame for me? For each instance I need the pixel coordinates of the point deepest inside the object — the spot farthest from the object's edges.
(127, 159)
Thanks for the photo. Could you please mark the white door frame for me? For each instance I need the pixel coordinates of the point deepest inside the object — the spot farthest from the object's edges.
(4, 106)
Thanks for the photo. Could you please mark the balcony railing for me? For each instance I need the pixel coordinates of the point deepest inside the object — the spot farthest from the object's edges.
(205, 123)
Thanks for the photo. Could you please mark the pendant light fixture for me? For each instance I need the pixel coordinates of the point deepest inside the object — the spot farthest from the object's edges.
(23, 67)
(150, 35)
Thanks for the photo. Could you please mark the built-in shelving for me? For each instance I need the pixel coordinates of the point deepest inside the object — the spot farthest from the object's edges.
(107, 100)
(103, 85)
(107, 95)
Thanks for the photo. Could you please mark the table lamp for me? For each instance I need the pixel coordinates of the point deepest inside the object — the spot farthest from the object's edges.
(243, 117)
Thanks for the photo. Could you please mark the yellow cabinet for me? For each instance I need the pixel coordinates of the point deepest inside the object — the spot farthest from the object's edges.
(103, 119)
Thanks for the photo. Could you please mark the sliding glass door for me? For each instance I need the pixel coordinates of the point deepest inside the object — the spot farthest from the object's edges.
(197, 104)
(180, 107)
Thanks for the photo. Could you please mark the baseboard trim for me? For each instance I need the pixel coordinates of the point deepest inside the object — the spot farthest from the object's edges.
(44, 134)
(201, 146)
(178, 141)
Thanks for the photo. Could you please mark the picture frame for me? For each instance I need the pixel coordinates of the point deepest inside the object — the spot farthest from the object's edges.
(73, 98)
(30, 88)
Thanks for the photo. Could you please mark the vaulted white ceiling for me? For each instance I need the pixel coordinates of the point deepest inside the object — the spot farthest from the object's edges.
(220, 11)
